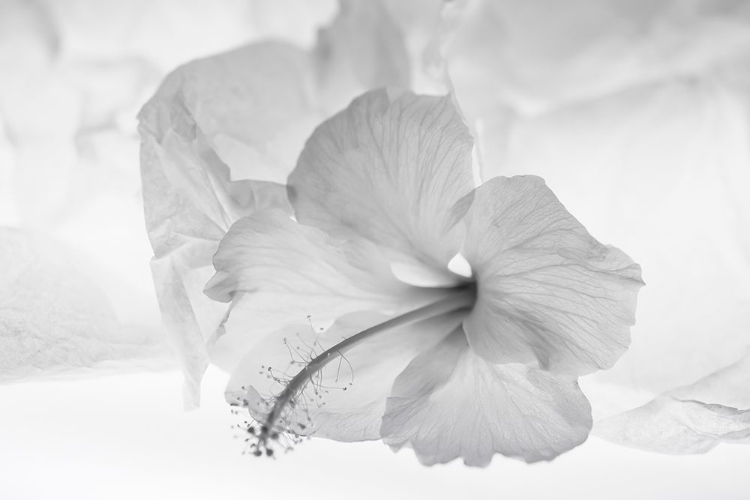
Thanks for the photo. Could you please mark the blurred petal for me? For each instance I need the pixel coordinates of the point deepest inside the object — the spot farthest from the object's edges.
(656, 169)
(278, 272)
(347, 402)
(691, 419)
(362, 49)
(54, 319)
(253, 106)
(109, 30)
(392, 168)
(548, 293)
(671, 425)
(213, 125)
(40, 113)
(728, 386)
(538, 54)
(420, 23)
(450, 403)
(190, 201)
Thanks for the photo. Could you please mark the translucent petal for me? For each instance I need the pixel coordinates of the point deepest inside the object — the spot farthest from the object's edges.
(253, 106)
(727, 386)
(54, 319)
(534, 55)
(215, 124)
(450, 403)
(671, 425)
(392, 168)
(278, 272)
(420, 23)
(108, 30)
(548, 293)
(190, 201)
(656, 169)
(690, 419)
(346, 401)
(361, 49)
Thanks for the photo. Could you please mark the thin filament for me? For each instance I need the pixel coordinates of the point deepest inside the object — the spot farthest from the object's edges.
(454, 302)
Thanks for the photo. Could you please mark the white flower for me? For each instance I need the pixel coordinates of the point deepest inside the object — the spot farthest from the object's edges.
(466, 367)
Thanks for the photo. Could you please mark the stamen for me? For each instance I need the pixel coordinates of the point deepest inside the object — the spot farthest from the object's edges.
(463, 299)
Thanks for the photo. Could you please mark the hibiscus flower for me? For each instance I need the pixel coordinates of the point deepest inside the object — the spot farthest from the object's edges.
(404, 303)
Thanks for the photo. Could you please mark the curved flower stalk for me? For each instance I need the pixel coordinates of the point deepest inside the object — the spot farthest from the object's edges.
(405, 304)
(219, 139)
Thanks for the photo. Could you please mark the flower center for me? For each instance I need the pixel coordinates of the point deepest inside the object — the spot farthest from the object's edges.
(463, 298)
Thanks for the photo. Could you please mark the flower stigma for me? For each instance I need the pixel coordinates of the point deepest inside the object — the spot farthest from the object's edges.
(276, 429)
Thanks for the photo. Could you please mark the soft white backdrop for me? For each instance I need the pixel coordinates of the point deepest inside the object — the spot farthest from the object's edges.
(126, 437)
(73, 74)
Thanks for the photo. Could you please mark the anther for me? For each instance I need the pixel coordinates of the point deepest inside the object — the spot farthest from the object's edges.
(449, 304)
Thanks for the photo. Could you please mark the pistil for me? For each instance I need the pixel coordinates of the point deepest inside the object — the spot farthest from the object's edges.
(462, 298)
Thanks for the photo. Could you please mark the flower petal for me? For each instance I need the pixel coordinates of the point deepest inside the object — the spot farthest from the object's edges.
(451, 403)
(190, 200)
(362, 49)
(214, 124)
(277, 272)
(631, 166)
(391, 167)
(548, 293)
(55, 319)
(252, 107)
(671, 425)
(690, 419)
(347, 400)
(541, 54)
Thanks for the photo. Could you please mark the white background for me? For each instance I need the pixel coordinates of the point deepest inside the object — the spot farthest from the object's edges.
(126, 437)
